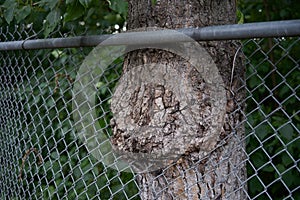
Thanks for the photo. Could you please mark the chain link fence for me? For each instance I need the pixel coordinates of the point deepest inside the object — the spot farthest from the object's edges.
(42, 157)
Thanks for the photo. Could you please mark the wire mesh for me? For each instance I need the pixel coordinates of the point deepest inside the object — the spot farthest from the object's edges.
(42, 156)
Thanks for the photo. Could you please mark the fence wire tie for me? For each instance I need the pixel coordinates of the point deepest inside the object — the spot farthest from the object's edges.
(27, 152)
(28, 38)
(232, 69)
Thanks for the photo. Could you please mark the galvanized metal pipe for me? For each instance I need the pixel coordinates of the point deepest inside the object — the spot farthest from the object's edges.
(288, 28)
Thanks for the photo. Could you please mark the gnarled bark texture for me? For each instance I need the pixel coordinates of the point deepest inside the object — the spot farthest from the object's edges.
(218, 174)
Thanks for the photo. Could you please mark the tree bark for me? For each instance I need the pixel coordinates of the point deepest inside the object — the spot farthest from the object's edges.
(216, 174)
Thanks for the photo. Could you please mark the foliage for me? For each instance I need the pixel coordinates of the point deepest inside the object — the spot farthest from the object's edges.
(68, 169)
(274, 138)
(269, 10)
(90, 16)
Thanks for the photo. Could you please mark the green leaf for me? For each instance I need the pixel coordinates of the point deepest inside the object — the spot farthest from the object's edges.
(74, 12)
(99, 84)
(80, 185)
(56, 167)
(259, 159)
(50, 3)
(286, 159)
(119, 6)
(48, 191)
(54, 155)
(115, 185)
(90, 13)
(56, 53)
(255, 185)
(280, 167)
(9, 11)
(8, 3)
(283, 91)
(85, 3)
(239, 16)
(22, 13)
(287, 132)
(262, 131)
(47, 165)
(268, 168)
(254, 81)
(69, 1)
(153, 2)
(52, 20)
(296, 116)
(101, 181)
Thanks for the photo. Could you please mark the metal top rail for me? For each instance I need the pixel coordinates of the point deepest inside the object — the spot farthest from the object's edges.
(287, 28)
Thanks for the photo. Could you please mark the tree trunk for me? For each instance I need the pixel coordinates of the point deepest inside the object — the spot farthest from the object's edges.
(216, 174)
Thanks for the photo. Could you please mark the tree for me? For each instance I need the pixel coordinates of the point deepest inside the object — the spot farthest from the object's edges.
(77, 17)
(196, 175)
